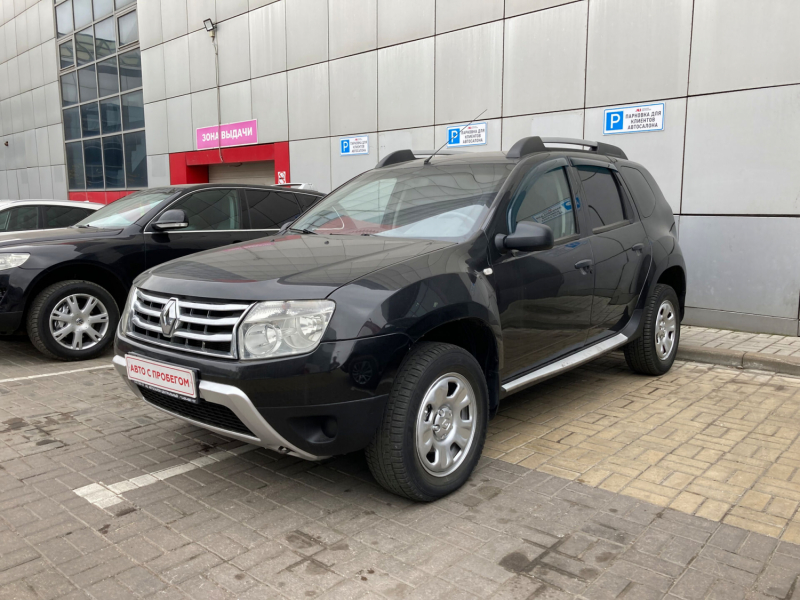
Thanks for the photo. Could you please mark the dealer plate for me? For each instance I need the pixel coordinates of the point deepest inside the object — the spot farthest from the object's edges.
(175, 381)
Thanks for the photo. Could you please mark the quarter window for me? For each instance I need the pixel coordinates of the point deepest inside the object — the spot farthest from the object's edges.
(214, 210)
(545, 198)
(603, 200)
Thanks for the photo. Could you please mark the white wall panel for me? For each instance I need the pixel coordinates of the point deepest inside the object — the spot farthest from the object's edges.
(4, 184)
(270, 107)
(46, 21)
(457, 14)
(4, 81)
(556, 124)
(204, 111)
(13, 77)
(742, 153)
(158, 169)
(405, 20)
(405, 85)
(268, 40)
(53, 101)
(174, 19)
(518, 7)
(39, 107)
(153, 80)
(31, 154)
(234, 50)
(42, 147)
(344, 168)
(469, 71)
(23, 188)
(308, 102)
(661, 152)
(55, 137)
(236, 102)
(306, 32)
(24, 72)
(49, 64)
(149, 15)
(419, 138)
(227, 9)
(545, 57)
(37, 71)
(34, 188)
(179, 125)
(354, 94)
(202, 69)
(254, 4)
(60, 182)
(353, 27)
(16, 114)
(34, 33)
(740, 44)
(13, 186)
(311, 163)
(156, 133)
(638, 50)
(21, 27)
(198, 11)
(176, 59)
(46, 182)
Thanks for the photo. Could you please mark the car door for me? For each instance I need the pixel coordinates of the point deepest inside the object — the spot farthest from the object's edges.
(545, 297)
(269, 209)
(619, 244)
(216, 217)
(19, 218)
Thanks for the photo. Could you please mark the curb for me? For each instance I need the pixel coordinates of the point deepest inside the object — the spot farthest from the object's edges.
(788, 365)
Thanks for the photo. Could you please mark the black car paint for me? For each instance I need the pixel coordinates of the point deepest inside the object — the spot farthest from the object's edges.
(115, 256)
(392, 293)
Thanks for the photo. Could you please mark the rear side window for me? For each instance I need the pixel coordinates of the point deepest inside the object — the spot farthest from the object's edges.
(545, 198)
(211, 210)
(306, 200)
(269, 209)
(603, 196)
(642, 193)
(63, 216)
(23, 218)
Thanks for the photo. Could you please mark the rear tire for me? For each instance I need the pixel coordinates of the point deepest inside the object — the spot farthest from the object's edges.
(434, 424)
(654, 351)
(73, 320)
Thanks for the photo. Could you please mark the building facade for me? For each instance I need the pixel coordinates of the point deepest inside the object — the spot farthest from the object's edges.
(101, 97)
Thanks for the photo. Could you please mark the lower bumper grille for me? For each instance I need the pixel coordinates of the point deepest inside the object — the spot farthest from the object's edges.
(209, 413)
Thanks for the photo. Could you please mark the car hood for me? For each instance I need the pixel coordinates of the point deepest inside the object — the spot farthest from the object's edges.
(13, 239)
(290, 267)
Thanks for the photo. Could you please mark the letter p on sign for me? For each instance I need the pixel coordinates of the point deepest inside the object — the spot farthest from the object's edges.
(345, 146)
(614, 120)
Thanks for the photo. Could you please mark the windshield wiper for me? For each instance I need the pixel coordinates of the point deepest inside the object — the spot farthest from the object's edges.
(306, 231)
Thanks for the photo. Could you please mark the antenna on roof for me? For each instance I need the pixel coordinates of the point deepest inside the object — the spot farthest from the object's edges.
(427, 161)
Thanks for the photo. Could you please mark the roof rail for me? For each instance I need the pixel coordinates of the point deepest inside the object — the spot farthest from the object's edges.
(532, 144)
(401, 156)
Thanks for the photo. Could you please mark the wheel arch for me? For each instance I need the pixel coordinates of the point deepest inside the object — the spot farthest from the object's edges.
(675, 277)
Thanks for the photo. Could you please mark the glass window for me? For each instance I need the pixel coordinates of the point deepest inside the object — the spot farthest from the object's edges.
(23, 218)
(93, 163)
(270, 210)
(110, 116)
(306, 200)
(4, 214)
(642, 192)
(69, 89)
(72, 124)
(127, 210)
(123, 3)
(212, 210)
(87, 81)
(84, 46)
(75, 176)
(545, 198)
(105, 41)
(103, 8)
(135, 160)
(67, 54)
(112, 157)
(128, 28)
(64, 18)
(132, 111)
(90, 119)
(130, 70)
(603, 198)
(107, 79)
(83, 12)
(63, 216)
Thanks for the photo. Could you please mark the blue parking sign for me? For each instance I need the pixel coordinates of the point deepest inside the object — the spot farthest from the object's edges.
(614, 120)
(454, 136)
(345, 146)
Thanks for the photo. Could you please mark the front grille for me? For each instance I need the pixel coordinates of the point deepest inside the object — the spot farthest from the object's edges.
(203, 327)
(209, 413)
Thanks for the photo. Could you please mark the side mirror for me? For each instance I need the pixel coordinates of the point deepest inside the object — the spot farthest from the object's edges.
(529, 237)
(172, 219)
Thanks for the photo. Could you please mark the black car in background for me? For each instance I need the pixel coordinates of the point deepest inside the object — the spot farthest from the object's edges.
(396, 313)
(27, 215)
(66, 286)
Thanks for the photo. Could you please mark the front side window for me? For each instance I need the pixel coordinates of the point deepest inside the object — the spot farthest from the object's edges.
(603, 200)
(270, 210)
(415, 201)
(545, 198)
(211, 210)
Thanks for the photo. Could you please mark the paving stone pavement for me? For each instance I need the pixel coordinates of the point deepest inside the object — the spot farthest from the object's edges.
(780, 345)
(260, 525)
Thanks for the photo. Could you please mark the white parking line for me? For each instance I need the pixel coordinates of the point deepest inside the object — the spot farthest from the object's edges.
(103, 496)
(56, 374)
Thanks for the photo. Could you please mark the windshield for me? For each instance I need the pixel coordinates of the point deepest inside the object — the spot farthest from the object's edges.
(127, 210)
(427, 201)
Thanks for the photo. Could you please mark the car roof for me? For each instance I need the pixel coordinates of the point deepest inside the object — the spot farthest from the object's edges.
(46, 202)
(205, 186)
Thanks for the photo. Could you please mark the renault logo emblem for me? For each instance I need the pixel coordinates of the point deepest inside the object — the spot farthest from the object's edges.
(169, 318)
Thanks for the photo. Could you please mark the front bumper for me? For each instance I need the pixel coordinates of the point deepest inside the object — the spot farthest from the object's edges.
(312, 406)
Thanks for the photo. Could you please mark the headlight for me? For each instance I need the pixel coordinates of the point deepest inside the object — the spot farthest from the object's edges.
(124, 320)
(9, 261)
(273, 329)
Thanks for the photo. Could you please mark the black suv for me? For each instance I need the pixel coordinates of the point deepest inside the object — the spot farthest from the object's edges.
(396, 313)
(65, 285)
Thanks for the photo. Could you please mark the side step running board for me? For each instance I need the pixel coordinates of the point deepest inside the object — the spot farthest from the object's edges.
(565, 364)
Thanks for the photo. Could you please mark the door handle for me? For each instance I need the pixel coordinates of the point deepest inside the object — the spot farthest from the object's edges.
(638, 247)
(584, 265)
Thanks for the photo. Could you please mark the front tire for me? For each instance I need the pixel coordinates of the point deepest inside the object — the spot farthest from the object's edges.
(654, 351)
(434, 424)
(72, 320)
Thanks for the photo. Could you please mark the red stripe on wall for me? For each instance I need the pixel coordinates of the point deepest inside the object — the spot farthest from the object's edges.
(192, 167)
(99, 197)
